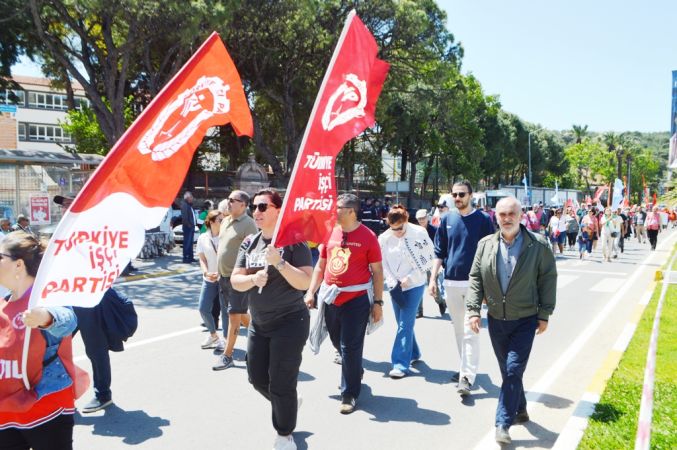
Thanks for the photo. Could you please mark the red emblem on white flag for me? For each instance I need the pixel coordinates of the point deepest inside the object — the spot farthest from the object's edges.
(345, 106)
(138, 180)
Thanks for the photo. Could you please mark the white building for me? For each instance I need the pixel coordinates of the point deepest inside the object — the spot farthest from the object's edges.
(33, 158)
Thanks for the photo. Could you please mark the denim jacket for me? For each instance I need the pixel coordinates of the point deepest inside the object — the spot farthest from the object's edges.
(54, 375)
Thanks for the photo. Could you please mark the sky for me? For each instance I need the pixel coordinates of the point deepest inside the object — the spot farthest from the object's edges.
(602, 63)
(605, 64)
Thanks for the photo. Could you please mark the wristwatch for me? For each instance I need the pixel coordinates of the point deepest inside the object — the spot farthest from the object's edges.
(378, 302)
(280, 265)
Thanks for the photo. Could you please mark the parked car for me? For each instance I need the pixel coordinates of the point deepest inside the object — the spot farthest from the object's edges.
(178, 234)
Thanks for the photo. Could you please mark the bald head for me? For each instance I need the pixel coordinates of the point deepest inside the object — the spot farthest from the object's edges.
(508, 214)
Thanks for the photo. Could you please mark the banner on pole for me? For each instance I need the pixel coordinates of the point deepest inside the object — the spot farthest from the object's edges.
(135, 184)
(345, 106)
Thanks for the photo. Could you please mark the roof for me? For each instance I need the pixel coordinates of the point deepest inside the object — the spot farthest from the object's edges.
(47, 157)
(26, 81)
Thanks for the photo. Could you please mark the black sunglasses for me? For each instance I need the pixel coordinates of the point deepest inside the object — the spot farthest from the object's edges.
(262, 207)
(458, 194)
(233, 200)
(5, 255)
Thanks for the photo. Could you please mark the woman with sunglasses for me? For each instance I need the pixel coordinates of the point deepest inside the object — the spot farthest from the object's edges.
(275, 281)
(207, 245)
(407, 254)
(42, 417)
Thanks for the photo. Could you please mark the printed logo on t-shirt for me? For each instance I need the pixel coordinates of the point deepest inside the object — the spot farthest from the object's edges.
(18, 322)
(9, 368)
(338, 260)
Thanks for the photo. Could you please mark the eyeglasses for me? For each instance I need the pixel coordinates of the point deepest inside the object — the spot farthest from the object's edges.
(344, 241)
(459, 194)
(5, 255)
(233, 200)
(344, 207)
(400, 228)
(262, 207)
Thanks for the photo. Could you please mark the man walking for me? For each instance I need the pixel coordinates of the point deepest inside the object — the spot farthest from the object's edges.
(455, 245)
(188, 227)
(350, 260)
(515, 271)
(234, 228)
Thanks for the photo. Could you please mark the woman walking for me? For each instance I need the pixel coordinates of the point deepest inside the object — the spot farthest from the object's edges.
(591, 222)
(571, 221)
(407, 253)
(275, 281)
(609, 233)
(207, 245)
(653, 226)
(41, 418)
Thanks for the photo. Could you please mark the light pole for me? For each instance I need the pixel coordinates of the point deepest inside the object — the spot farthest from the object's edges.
(530, 184)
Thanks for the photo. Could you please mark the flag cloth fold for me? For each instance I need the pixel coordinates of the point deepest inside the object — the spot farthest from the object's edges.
(138, 180)
(345, 106)
(617, 194)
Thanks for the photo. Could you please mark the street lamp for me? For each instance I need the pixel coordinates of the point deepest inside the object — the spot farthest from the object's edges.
(530, 184)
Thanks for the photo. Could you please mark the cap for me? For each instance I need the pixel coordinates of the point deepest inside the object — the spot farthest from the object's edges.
(445, 201)
(58, 199)
(421, 213)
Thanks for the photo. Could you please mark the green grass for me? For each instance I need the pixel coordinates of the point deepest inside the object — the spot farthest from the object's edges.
(613, 425)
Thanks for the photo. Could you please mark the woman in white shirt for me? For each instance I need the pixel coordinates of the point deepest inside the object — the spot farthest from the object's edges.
(407, 253)
(610, 229)
(207, 244)
(558, 231)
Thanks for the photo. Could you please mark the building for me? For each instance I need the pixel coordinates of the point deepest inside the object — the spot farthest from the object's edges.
(34, 162)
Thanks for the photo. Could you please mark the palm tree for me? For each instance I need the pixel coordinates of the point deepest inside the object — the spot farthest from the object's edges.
(580, 132)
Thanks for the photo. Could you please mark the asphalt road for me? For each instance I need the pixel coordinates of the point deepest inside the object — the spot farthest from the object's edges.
(167, 397)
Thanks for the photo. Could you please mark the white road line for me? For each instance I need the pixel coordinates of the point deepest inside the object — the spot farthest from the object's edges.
(596, 272)
(577, 423)
(624, 338)
(607, 285)
(543, 384)
(150, 340)
(563, 280)
(155, 279)
(646, 298)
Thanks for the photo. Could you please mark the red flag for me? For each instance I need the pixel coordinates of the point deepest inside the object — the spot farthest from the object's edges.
(598, 194)
(138, 180)
(344, 108)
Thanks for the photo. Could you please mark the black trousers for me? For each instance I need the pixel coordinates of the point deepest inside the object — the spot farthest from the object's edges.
(90, 325)
(57, 434)
(653, 238)
(273, 362)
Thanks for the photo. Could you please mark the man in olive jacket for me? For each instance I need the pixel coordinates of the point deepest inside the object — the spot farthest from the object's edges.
(515, 271)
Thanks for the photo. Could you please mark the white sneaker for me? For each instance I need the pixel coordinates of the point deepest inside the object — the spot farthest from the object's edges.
(220, 346)
(210, 342)
(396, 373)
(284, 443)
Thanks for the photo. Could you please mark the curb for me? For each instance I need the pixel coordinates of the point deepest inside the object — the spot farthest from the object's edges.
(147, 276)
(573, 431)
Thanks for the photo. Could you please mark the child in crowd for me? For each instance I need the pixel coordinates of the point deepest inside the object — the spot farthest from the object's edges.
(584, 242)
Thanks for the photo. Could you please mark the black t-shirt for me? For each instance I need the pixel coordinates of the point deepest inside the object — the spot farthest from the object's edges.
(277, 298)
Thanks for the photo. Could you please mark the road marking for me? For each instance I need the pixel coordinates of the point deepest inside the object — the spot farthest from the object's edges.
(153, 340)
(563, 280)
(596, 272)
(537, 390)
(607, 285)
(155, 279)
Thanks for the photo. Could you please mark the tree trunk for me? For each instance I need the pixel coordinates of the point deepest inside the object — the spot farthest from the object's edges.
(264, 150)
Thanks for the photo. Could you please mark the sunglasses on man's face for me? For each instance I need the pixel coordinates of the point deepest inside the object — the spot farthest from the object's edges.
(5, 255)
(458, 194)
(262, 207)
(233, 200)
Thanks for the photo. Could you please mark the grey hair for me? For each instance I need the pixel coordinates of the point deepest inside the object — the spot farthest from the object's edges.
(510, 202)
(187, 195)
(242, 195)
(351, 201)
(223, 205)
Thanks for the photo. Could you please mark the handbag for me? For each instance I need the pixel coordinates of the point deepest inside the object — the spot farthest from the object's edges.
(614, 234)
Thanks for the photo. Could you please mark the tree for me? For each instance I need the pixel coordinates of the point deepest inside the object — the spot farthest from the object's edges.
(580, 132)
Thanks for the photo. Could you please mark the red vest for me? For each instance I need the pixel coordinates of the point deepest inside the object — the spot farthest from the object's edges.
(19, 407)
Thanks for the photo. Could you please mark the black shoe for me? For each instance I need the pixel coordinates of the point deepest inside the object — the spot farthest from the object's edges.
(502, 435)
(96, 405)
(419, 314)
(522, 417)
(347, 405)
(463, 387)
(443, 308)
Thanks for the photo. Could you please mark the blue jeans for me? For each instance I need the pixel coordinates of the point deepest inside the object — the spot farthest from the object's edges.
(188, 240)
(347, 325)
(90, 325)
(405, 305)
(210, 294)
(512, 341)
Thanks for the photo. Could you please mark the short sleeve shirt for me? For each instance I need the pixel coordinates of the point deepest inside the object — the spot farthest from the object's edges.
(233, 231)
(277, 298)
(348, 259)
(208, 245)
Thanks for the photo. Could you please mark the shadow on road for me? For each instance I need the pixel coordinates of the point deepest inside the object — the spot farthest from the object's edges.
(543, 438)
(300, 438)
(397, 409)
(135, 427)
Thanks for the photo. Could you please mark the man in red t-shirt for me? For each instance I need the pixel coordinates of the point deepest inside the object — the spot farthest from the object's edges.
(350, 257)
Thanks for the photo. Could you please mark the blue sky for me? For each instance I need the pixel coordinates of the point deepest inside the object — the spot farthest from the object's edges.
(605, 64)
(602, 63)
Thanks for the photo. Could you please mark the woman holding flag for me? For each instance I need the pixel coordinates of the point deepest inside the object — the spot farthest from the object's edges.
(275, 281)
(42, 417)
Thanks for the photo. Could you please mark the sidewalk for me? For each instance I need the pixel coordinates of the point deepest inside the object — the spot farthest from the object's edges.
(162, 266)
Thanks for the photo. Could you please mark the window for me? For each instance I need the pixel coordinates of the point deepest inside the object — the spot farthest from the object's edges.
(12, 97)
(22, 131)
(45, 100)
(81, 101)
(46, 133)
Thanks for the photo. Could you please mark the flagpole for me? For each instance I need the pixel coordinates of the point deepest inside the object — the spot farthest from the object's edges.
(342, 38)
(24, 358)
